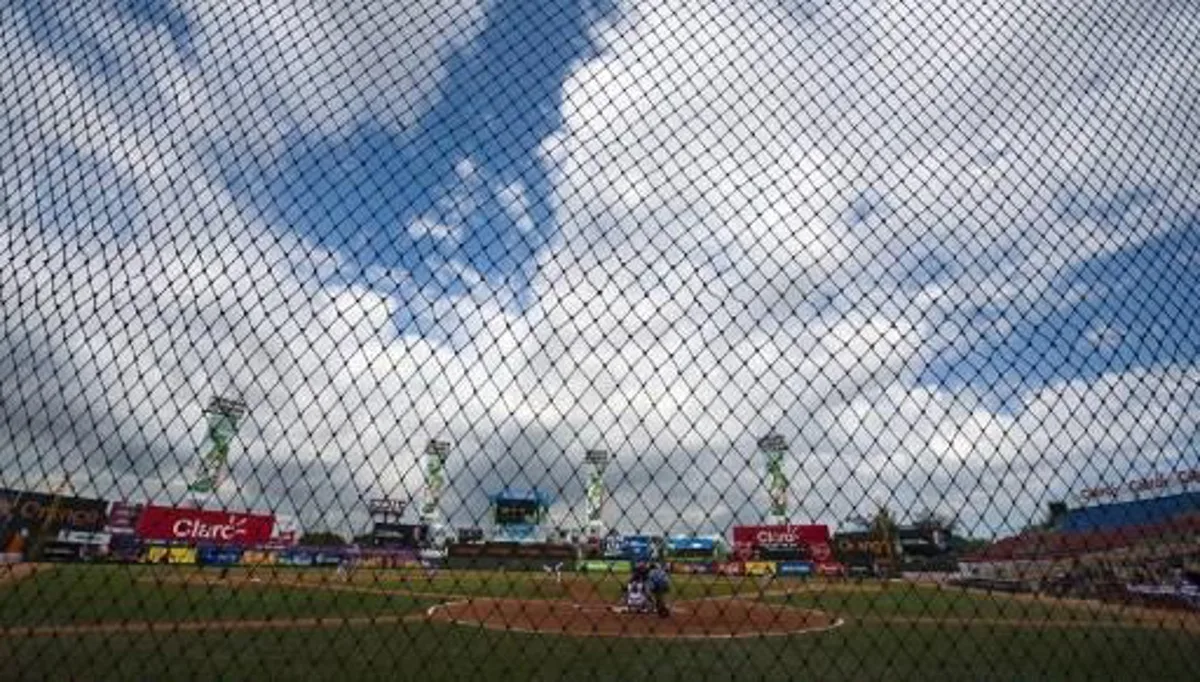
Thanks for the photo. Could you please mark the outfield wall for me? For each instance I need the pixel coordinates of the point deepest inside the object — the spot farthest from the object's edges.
(534, 556)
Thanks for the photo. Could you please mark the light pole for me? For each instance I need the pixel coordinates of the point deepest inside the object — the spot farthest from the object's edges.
(774, 448)
(597, 461)
(223, 416)
(436, 454)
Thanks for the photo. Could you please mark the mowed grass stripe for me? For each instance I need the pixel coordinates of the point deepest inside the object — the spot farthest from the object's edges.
(431, 653)
(105, 594)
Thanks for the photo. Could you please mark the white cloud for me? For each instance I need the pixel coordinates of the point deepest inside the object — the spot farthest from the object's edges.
(708, 283)
(424, 227)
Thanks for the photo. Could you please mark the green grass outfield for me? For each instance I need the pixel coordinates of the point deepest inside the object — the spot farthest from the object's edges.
(51, 628)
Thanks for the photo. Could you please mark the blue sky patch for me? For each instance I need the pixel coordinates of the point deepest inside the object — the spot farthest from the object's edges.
(464, 186)
(1138, 307)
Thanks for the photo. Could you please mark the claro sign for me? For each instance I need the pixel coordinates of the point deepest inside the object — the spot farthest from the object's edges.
(200, 526)
(782, 541)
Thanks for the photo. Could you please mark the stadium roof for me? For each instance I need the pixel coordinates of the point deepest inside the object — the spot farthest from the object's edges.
(1135, 513)
(1045, 545)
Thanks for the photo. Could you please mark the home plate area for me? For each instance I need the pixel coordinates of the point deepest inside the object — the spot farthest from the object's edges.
(697, 619)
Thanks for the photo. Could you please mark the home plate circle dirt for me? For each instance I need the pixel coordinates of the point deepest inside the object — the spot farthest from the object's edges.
(700, 619)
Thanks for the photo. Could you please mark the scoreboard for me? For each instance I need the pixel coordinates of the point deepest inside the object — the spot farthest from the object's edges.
(510, 512)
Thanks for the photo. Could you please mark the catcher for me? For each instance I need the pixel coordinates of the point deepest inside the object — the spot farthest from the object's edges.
(635, 595)
(660, 586)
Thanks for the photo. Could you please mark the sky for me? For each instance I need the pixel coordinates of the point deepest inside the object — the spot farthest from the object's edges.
(948, 251)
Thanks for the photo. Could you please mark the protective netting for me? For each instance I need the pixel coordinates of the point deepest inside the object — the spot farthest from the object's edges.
(588, 339)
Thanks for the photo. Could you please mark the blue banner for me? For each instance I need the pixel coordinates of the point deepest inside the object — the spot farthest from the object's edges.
(218, 556)
(679, 544)
(794, 568)
(296, 558)
(638, 547)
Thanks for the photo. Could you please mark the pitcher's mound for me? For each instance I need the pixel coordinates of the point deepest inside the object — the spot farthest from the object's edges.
(717, 619)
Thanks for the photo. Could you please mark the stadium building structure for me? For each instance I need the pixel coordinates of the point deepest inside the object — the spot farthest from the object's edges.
(1097, 548)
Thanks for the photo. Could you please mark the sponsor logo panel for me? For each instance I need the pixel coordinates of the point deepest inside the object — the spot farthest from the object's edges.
(689, 567)
(200, 526)
(31, 522)
(731, 568)
(170, 555)
(781, 542)
(793, 568)
(618, 566)
(759, 567)
(259, 558)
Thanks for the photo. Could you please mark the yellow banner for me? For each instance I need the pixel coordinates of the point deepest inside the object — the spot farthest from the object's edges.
(258, 558)
(171, 555)
(760, 568)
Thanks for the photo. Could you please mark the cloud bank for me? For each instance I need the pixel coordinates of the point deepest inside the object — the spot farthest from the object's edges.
(945, 250)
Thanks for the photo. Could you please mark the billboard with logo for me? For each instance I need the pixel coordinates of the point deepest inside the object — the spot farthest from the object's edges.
(865, 552)
(204, 527)
(704, 549)
(692, 568)
(30, 521)
(759, 568)
(218, 556)
(797, 568)
(785, 542)
(406, 535)
(629, 547)
(123, 517)
(170, 555)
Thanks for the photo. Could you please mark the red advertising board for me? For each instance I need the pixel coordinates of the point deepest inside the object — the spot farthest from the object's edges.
(730, 568)
(201, 526)
(783, 542)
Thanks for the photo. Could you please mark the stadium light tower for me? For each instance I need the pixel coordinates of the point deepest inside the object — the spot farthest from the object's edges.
(224, 416)
(436, 453)
(774, 449)
(596, 461)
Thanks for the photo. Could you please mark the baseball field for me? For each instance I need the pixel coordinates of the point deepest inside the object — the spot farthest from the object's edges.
(188, 623)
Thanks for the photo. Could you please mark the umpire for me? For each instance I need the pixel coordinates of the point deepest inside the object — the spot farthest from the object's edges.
(660, 585)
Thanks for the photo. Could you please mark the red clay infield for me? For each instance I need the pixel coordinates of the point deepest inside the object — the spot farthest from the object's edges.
(700, 619)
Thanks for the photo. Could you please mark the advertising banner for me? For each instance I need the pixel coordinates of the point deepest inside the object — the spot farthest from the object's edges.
(327, 558)
(782, 542)
(507, 550)
(613, 547)
(170, 555)
(295, 557)
(122, 518)
(259, 558)
(730, 568)
(687, 543)
(286, 532)
(631, 547)
(831, 569)
(29, 520)
(218, 556)
(862, 549)
(794, 568)
(61, 552)
(638, 547)
(124, 548)
(759, 567)
(82, 537)
(200, 526)
(693, 568)
(605, 566)
(405, 535)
